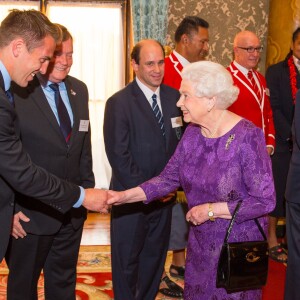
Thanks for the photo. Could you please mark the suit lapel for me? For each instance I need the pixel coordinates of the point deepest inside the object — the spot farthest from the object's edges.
(39, 98)
(146, 109)
(166, 114)
(244, 81)
(74, 105)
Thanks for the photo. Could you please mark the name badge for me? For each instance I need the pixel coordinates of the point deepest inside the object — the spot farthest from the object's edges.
(176, 122)
(84, 125)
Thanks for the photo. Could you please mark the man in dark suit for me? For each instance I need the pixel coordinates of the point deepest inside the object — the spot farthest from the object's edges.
(51, 240)
(142, 127)
(27, 42)
(283, 81)
(292, 196)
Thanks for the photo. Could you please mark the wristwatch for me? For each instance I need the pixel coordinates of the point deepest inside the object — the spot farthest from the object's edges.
(210, 212)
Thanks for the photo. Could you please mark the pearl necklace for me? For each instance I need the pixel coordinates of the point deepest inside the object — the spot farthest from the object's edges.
(214, 131)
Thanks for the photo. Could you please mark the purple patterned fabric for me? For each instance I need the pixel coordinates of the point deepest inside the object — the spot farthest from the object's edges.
(233, 167)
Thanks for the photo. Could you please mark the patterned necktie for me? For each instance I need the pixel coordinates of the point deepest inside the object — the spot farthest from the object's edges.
(64, 118)
(158, 114)
(254, 84)
(10, 97)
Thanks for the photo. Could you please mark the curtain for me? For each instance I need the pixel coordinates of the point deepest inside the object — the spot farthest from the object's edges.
(150, 19)
(5, 6)
(98, 60)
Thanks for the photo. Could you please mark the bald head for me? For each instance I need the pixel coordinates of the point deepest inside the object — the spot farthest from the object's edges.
(247, 48)
(135, 53)
(243, 37)
(148, 63)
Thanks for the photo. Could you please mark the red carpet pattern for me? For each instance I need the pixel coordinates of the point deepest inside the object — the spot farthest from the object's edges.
(93, 275)
(94, 280)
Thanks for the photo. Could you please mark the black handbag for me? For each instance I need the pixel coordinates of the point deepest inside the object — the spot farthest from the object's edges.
(243, 265)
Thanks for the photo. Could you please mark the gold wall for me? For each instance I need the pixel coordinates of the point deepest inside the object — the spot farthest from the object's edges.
(284, 18)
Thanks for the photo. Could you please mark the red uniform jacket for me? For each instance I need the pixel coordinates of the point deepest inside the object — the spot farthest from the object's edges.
(250, 107)
(173, 70)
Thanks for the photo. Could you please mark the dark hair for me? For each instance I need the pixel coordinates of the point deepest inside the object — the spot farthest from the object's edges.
(295, 34)
(189, 25)
(30, 25)
(294, 37)
(65, 32)
(135, 53)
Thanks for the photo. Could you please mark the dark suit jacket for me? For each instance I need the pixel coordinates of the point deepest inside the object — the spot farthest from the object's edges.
(278, 82)
(135, 146)
(43, 140)
(19, 173)
(292, 193)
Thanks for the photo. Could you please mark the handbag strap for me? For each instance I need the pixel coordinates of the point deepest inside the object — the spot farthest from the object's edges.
(233, 219)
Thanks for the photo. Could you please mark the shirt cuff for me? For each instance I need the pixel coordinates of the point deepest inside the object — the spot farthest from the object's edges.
(81, 198)
(270, 146)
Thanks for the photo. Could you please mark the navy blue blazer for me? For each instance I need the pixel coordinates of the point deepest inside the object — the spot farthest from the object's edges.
(135, 146)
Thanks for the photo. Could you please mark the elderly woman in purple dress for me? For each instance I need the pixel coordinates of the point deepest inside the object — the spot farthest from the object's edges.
(220, 160)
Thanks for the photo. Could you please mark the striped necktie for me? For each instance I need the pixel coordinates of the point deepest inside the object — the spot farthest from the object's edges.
(64, 118)
(10, 97)
(158, 114)
(254, 84)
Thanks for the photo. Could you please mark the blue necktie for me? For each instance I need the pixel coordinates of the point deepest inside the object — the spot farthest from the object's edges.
(10, 97)
(64, 118)
(158, 114)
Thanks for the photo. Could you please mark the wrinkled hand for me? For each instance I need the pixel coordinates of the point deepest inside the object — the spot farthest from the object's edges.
(96, 200)
(198, 214)
(17, 229)
(116, 198)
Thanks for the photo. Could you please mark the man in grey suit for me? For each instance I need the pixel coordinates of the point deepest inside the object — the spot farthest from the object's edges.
(27, 42)
(142, 127)
(51, 240)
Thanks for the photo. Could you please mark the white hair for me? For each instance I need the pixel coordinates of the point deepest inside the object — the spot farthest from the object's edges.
(209, 80)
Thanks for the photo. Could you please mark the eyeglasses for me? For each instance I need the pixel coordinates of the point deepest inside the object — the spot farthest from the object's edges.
(252, 49)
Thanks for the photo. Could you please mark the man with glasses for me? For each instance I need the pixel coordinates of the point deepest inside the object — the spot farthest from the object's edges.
(253, 101)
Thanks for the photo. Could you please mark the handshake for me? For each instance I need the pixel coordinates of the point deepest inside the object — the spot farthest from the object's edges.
(101, 200)
(96, 200)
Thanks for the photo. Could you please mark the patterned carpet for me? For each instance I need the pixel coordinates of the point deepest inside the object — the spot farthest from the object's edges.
(94, 277)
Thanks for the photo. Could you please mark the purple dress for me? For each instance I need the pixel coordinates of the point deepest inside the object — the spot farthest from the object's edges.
(233, 167)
